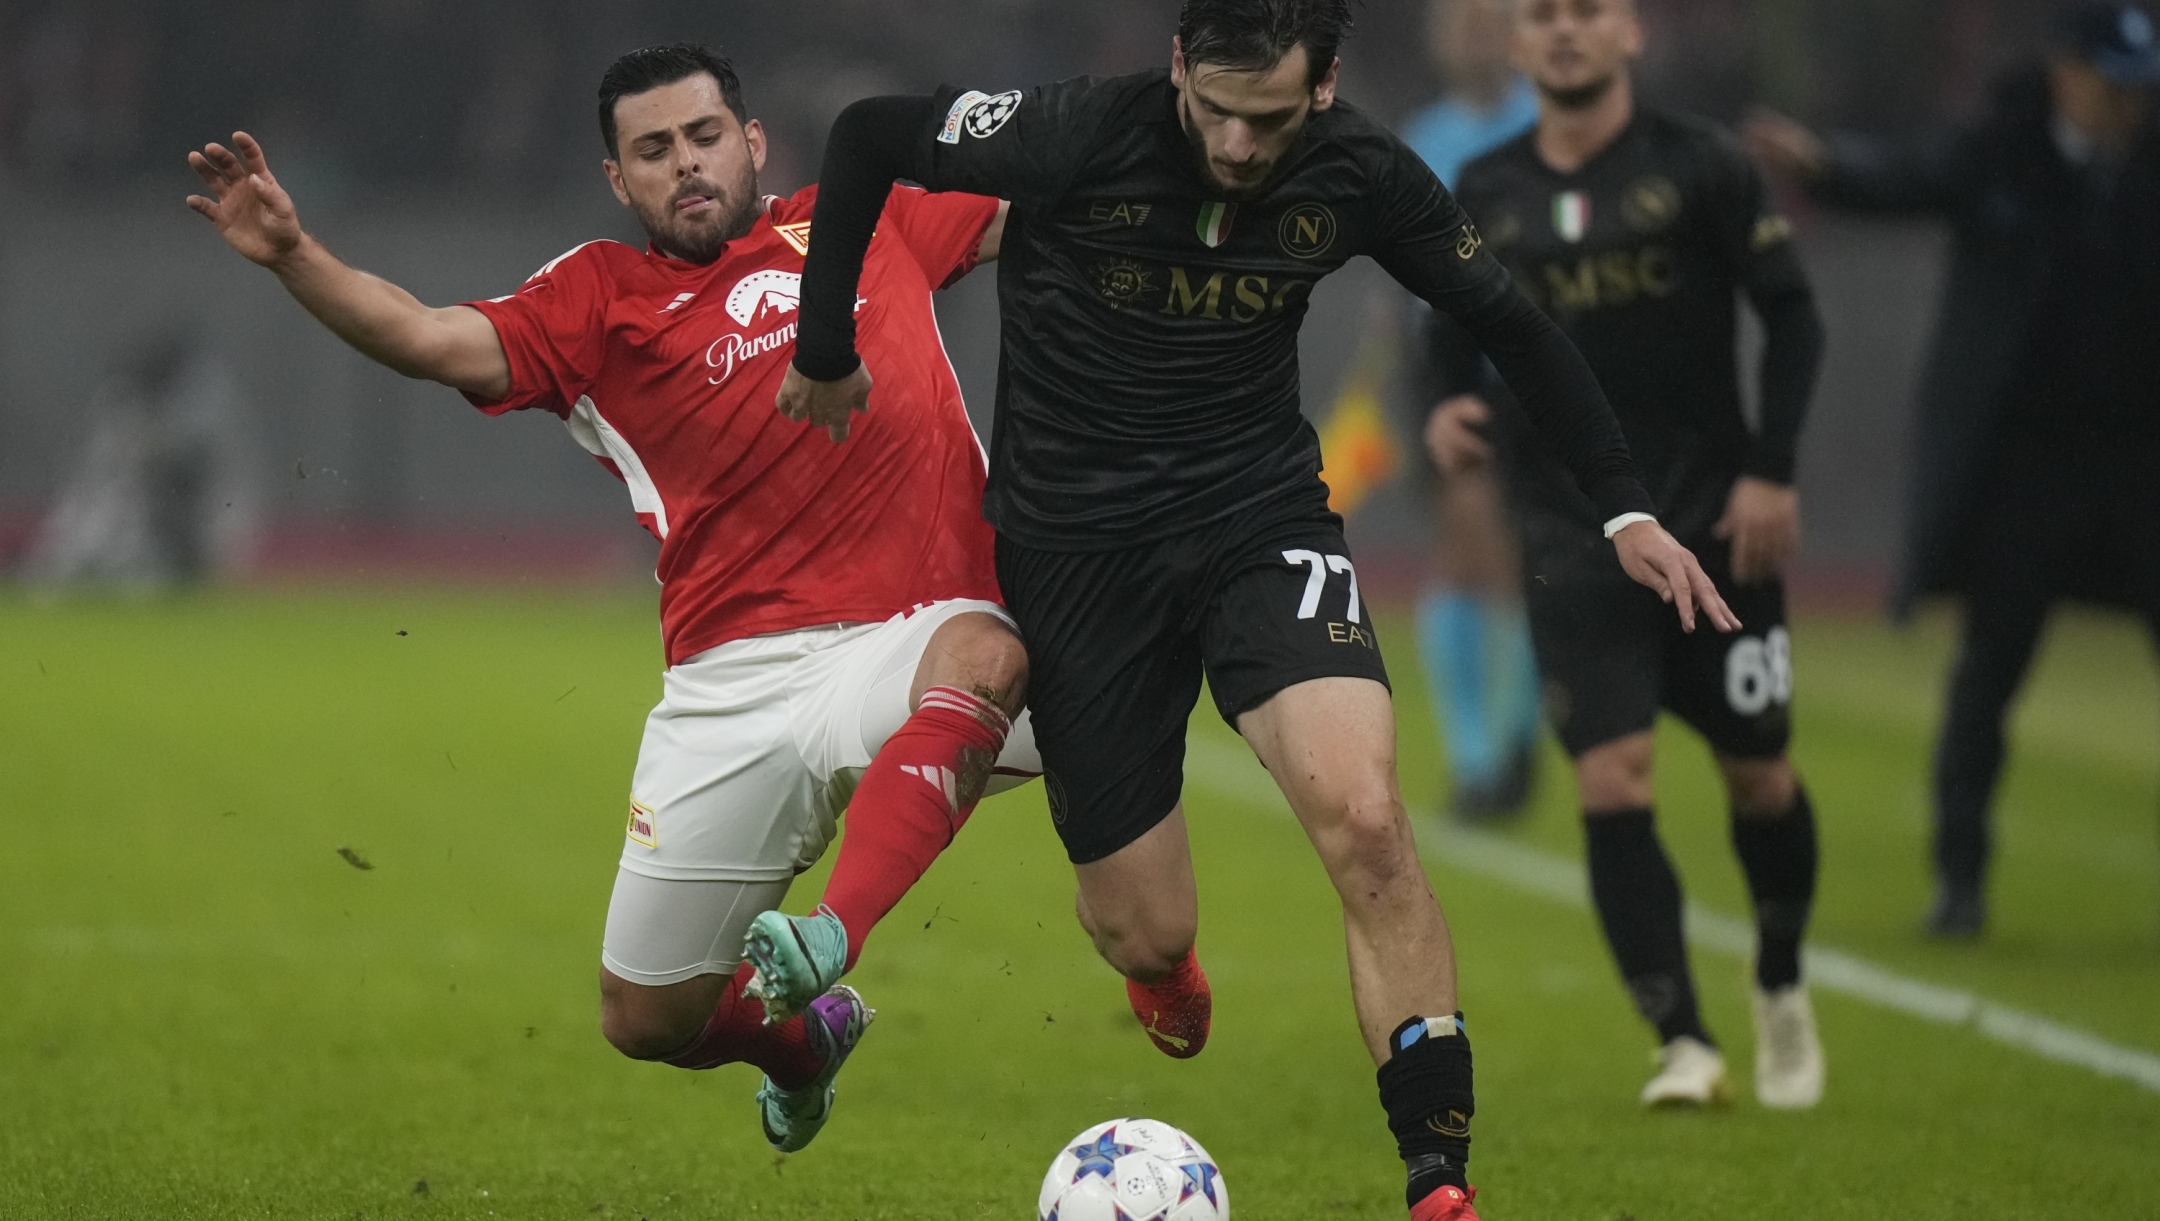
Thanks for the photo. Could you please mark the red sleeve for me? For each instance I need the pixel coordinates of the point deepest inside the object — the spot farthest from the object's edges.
(552, 329)
(944, 231)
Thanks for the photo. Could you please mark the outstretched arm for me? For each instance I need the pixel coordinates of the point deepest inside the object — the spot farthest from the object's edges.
(1920, 176)
(870, 148)
(456, 346)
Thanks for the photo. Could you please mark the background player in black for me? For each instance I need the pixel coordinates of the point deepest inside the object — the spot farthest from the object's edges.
(1638, 229)
(1157, 492)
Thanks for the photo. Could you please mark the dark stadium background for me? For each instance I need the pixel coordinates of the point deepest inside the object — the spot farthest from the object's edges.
(451, 146)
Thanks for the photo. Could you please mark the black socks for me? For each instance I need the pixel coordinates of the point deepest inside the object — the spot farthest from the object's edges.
(1425, 1088)
(1638, 902)
(1779, 856)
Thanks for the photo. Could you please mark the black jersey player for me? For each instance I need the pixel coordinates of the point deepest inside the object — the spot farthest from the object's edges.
(1157, 494)
(1638, 230)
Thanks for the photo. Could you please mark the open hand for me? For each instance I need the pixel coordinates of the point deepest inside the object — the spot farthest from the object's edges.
(1656, 559)
(827, 405)
(1762, 521)
(252, 212)
(1451, 434)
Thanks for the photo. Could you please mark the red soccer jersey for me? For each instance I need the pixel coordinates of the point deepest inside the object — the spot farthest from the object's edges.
(667, 372)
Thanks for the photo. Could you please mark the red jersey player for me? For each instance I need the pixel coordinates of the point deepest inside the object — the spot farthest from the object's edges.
(829, 612)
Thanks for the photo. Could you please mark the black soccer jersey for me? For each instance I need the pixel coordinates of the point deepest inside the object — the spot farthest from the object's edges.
(1149, 382)
(1639, 255)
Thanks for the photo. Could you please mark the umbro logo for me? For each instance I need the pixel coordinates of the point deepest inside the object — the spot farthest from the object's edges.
(940, 778)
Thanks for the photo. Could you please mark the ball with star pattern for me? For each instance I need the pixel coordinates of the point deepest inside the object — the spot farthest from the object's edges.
(1133, 1170)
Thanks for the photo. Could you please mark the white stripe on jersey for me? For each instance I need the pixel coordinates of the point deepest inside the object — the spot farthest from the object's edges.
(602, 441)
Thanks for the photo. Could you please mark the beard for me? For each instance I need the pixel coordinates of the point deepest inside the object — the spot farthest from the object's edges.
(1579, 97)
(1230, 192)
(700, 240)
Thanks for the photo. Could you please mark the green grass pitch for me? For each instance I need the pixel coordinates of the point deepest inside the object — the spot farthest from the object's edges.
(208, 1012)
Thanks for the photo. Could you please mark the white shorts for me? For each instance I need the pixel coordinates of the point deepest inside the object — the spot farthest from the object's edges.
(746, 767)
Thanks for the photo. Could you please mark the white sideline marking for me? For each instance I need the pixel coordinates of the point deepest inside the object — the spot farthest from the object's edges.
(1233, 772)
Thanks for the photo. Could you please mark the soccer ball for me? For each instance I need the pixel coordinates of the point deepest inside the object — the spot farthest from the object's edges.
(1133, 1170)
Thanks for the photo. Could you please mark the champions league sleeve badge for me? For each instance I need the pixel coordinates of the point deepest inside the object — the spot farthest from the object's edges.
(989, 114)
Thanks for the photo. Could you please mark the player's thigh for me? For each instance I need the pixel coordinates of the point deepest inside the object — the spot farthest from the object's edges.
(1599, 640)
(1113, 672)
(666, 931)
(874, 690)
(1287, 610)
(1330, 745)
(721, 790)
(1736, 690)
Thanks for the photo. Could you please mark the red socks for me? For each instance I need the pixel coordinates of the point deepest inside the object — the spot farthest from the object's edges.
(907, 807)
(738, 1031)
(1176, 1010)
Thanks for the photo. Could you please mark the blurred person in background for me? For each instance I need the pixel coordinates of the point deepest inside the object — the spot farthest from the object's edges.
(2036, 462)
(1638, 229)
(163, 494)
(1472, 634)
(849, 655)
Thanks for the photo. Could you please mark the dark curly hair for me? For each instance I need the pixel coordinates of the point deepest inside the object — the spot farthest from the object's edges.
(1254, 35)
(646, 68)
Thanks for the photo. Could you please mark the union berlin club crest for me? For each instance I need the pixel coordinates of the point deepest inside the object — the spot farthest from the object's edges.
(1214, 224)
(1571, 215)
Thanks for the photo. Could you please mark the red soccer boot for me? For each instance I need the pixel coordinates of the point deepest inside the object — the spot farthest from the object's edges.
(1176, 1010)
(1445, 1204)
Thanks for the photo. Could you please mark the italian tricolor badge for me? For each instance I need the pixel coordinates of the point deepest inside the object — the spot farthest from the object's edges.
(1571, 215)
(1214, 226)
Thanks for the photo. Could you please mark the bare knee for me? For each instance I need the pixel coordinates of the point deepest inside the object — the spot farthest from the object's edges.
(1760, 788)
(646, 1023)
(978, 653)
(1365, 842)
(1617, 775)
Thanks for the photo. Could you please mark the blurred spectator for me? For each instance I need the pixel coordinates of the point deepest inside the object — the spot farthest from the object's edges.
(2036, 474)
(1472, 635)
(163, 494)
(1485, 100)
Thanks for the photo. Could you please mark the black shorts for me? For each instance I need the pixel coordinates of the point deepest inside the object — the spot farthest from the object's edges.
(1117, 642)
(1612, 654)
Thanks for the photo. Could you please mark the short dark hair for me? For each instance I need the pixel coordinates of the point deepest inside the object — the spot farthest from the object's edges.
(1254, 35)
(648, 68)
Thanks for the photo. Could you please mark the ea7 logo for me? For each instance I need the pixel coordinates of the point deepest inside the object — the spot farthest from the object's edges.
(779, 291)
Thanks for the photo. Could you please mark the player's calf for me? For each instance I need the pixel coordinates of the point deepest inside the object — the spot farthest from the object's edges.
(1773, 834)
(1141, 909)
(704, 1022)
(1139, 905)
